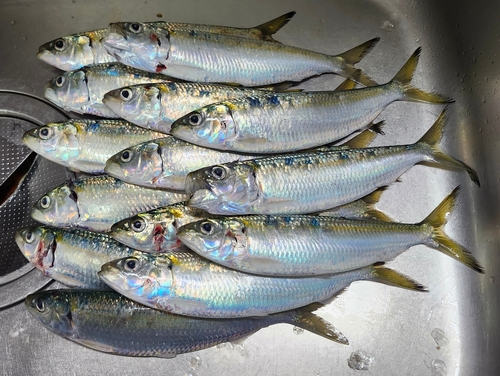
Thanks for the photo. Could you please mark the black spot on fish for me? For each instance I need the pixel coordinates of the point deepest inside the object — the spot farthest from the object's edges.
(94, 126)
(204, 93)
(158, 41)
(192, 33)
(343, 156)
(289, 161)
(73, 196)
(53, 248)
(254, 102)
(171, 86)
(287, 220)
(90, 42)
(270, 220)
(315, 222)
(274, 100)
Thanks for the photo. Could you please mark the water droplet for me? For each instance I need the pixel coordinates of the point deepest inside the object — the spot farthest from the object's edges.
(239, 296)
(12, 22)
(438, 368)
(195, 362)
(298, 330)
(492, 279)
(483, 99)
(360, 360)
(440, 338)
(417, 40)
(24, 38)
(387, 26)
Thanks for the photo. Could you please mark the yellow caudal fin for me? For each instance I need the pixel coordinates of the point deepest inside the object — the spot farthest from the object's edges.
(403, 78)
(371, 200)
(305, 318)
(381, 274)
(440, 241)
(432, 138)
(269, 28)
(354, 56)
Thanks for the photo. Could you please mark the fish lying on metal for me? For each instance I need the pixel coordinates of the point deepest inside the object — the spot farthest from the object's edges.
(303, 245)
(70, 256)
(96, 203)
(187, 284)
(157, 106)
(85, 145)
(107, 321)
(162, 163)
(197, 56)
(311, 182)
(82, 91)
(285, 122)
(78, 50)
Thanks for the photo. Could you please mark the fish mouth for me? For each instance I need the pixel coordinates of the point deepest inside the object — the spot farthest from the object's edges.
(188, 237)
(182, 132)
(19, 239)
(38, 216)
(51, 95)
(31, 140)
(113, 169)
(111, 276)
(193, 183)
(112, 102)
(202, 199)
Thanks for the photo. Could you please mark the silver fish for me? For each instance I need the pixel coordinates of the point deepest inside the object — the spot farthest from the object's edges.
(285, 122)
(311, 182)
(85, 145)
(107, 321)
(70, 256)
(82, 91)
(304, 245)
(187, 284)
(96, 203)
(197, 56)
(82, 49)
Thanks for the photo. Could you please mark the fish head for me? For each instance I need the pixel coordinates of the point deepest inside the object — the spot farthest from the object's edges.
(53, 311)
(68, 90)
(67, 53)
(219, 240)
(139, 104)
(210, 126)
(143, 277)
(147, 232)
(141, 164)
(58, 207)
(228, 189)
(60, 141)
(38, 245)
(140, 45)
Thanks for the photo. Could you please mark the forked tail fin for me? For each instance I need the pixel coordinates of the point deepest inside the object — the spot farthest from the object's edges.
(354, 56)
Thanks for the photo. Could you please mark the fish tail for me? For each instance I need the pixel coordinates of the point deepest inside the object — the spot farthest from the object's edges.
(305, 318)
(271, 27)
(431, 139)
(381, 274)
(354, 56)
(348, 84)
(410, 93)
(440, 241)
(370, 201)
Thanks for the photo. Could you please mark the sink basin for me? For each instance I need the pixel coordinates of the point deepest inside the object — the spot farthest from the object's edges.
(451, 330)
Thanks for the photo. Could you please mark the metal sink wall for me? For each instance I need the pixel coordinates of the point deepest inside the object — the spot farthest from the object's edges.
(452, 329)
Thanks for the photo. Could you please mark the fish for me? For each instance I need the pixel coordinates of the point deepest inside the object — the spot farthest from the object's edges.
(162, 163)
(157, 106)
(285, 122)
(96, 203)
(305, 183)
(84, 145)
(186, 284)
(308, 245)
(196, 56)
(70, 256)
(78, 50)
(81, 91)
(109, 322)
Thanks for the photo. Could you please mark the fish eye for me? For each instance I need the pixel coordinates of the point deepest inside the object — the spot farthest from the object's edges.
(138, 225)
(59, 44)
(206, 228)
(135, 28)
(126, 94)
(218, 172)
(40, 305)
(60, 81)
(126, 156)
(29, 237)
(195, 119)
(45, 133)
(130, 264)
(45, 202)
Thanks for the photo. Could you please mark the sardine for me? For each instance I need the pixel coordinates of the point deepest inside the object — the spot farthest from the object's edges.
(96, 203)
(304, 245)
(82, 91)
(186, 284)
(85, 145)
(311, 182)
(107, 321)
(82, 49)
(70, 256)
(197, 56)
(285, 122)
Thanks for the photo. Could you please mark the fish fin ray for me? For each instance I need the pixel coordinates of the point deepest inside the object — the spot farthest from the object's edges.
(271, 27)
(391, 277)
(365, 138)
(348, 84)
(354, 56)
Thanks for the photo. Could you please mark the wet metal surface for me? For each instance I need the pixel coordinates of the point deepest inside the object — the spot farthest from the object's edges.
(453, 329)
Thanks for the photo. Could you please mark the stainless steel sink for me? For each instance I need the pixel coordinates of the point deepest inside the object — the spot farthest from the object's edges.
(452, 329)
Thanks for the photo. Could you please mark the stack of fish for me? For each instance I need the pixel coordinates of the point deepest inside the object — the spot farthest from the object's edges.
(214, 201)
